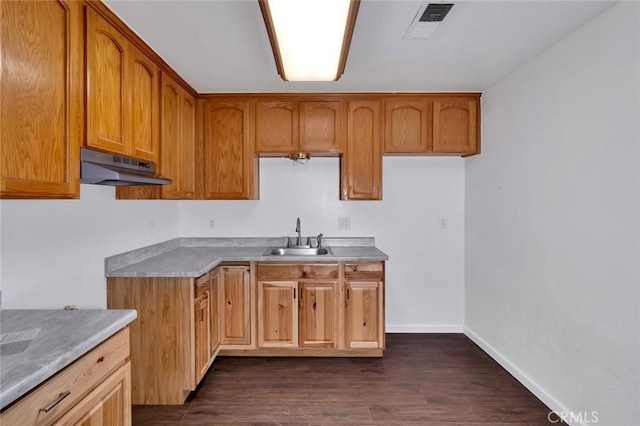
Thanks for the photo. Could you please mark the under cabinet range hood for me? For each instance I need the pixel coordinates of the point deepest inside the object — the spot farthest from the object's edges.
(100, 168)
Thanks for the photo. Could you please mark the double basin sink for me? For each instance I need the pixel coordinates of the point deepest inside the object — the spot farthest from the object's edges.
(298, 251)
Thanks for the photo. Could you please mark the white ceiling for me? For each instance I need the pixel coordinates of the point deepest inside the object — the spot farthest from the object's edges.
(222, 46)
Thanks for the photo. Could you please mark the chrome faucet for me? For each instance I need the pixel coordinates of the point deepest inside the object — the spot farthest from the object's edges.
(299, 239)
(319, 239)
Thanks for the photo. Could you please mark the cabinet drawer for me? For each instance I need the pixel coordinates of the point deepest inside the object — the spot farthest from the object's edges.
(78, 379)
(364, 271)
(297, 271)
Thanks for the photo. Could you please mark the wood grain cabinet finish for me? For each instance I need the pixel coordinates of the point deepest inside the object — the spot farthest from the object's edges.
(319, 314)
(178, 141)
(456, 126)
(235, 309)
(214, 316)
(171, 340)
(286, 125)
(121, 93)
(276, 126)
(41, 102)
(364, 314)
(97, 385)
(277, 314)
(364, 287)
(230, 165)
(202, 326)
(408, 125)
(361, 168)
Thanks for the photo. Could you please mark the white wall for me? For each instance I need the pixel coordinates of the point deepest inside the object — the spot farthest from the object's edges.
(552, 222)
(425, 273)
(53, 251)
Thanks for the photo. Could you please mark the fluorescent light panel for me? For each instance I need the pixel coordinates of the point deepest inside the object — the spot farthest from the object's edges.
(310, 38)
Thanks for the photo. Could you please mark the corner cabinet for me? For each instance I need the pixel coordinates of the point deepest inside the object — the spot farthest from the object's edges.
(229, 163)
(171, 343)
(456, 126)
(95, 389)
(41, 90)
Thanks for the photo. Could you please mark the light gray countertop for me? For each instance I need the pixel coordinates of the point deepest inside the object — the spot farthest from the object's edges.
(192, 257)
(36, 344)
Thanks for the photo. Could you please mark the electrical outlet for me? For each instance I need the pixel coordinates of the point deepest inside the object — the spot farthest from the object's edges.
(344, 223)
(151, 227)
(212, 223)
(442, 222)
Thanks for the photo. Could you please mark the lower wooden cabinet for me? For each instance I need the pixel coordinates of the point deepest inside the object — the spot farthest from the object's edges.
(202, 326)
(235, 312)
(319, 309)
(364, 321)
(277, 314)
(171, 340)
(94, 390)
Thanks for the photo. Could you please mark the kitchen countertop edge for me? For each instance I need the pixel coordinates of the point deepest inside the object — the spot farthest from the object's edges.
(17, 388)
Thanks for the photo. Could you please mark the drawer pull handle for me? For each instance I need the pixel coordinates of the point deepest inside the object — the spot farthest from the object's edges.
(58, 400)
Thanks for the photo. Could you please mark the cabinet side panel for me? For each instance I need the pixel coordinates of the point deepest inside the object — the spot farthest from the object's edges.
(161, 342)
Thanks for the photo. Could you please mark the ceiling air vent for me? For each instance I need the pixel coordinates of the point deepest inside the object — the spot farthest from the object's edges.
(427, 20)
(435, 12)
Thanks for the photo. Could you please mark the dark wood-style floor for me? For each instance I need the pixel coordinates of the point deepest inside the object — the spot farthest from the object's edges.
(423, 379)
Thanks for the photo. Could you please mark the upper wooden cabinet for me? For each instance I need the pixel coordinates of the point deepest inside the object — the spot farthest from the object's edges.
(41, 98)
(456, 126)
(178, 142)
(284, 125)
(432, 124)
(361, 177)
(408, 125)
(121, 93)
(230, 165)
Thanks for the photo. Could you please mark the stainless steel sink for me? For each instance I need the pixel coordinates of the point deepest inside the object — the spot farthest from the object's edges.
(298, 251)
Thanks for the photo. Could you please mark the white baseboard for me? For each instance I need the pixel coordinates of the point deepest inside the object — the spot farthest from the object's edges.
(521, 376)
(424, 328)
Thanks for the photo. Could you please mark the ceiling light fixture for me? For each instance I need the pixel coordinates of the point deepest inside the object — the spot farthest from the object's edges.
(310, 39)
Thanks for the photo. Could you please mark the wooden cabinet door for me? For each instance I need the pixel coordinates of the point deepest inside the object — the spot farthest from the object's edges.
(108, 101)
(202, 322)
(455, 126)
(276, 126)
(318, 314)
(188, 146)
(170, 119)
(214, 331)
(361, 177)
(321, 126)
(235, 312)
(108, 404)
(40, 98)
(364, 321)
(230, 166)
(277, 314)
(144, 112)
(408, 126)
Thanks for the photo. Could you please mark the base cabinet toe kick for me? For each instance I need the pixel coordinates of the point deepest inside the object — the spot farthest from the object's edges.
(247, 309)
